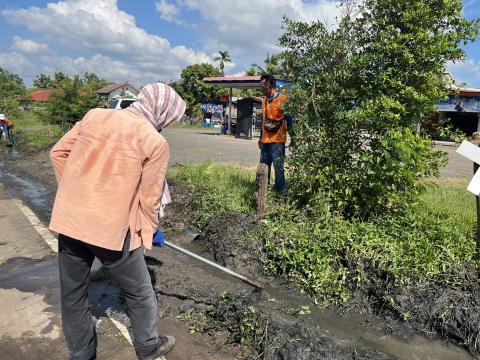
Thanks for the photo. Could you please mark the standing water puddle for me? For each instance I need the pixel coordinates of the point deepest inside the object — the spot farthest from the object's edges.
(27, 190)
(349, 331)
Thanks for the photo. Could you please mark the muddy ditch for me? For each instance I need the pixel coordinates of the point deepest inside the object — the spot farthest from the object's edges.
(279, 322)
(377, 311)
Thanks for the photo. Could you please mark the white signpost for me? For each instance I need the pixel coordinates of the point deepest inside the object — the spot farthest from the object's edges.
(471, 152)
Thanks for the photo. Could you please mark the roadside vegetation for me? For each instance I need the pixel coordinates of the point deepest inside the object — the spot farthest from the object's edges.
(33, 135)
(332, 257)
(387, 260)
(329, 256)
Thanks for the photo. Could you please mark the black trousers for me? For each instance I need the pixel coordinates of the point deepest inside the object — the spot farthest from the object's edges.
(129, 270)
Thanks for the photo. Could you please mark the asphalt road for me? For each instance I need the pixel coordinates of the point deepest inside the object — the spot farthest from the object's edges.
(199, 145)
(458, 167)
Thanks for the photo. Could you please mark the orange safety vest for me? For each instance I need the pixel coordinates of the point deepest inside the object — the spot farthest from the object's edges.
(2, 123)
(274, 110)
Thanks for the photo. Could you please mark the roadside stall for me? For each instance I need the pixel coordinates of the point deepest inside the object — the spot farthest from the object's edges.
(234, 82)
(461, 110)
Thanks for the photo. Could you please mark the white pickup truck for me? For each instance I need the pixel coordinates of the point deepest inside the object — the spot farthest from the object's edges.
(121, 103)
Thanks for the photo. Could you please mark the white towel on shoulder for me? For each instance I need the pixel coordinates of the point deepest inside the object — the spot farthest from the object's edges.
(166, 199)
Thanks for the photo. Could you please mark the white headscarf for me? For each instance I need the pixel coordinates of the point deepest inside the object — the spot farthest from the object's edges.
(160, 104)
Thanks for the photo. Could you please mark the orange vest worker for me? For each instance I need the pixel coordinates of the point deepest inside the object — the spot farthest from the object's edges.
(273, 109)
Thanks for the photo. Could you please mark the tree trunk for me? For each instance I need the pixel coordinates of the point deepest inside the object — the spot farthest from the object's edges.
(262, 185)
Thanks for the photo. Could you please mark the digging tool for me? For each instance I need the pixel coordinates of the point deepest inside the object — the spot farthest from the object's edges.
(215, 265)
(159, 240)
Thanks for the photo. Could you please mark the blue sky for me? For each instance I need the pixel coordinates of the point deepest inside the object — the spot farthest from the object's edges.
(123, 41)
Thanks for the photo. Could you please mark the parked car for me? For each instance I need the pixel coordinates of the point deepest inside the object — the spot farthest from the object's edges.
(121, 103)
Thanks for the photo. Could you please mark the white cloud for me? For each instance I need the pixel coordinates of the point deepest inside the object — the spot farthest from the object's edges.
(29, 47)
(103, 30)
(17, 64)
(250, 29)
(229, 65)
(103, 66)
(168, 11)
(114, 46)
(467, 71)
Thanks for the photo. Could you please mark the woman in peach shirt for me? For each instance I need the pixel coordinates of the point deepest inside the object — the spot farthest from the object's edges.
(110, 169)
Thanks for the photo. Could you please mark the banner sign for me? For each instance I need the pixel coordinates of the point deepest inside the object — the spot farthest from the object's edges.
(468, 104)
(212, 108)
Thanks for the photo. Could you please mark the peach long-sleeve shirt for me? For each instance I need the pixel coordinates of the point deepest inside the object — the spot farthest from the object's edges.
(110, 168)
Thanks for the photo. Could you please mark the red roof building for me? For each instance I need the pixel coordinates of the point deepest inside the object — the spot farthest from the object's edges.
(40, 95)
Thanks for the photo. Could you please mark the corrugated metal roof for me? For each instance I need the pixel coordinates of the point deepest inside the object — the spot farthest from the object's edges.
(44, 94)
(112, 87)
(236, 82)
(240, 82)
(464, 90)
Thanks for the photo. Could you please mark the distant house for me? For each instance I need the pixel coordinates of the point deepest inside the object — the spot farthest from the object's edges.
(35, 99)
(116, 91)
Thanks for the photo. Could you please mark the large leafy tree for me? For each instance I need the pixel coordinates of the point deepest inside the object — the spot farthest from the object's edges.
(192, 88)
(72, 99)
(358, 90)
(46, 81)
(43, 81)
(222, 58)
(11, 88)
(93, 82)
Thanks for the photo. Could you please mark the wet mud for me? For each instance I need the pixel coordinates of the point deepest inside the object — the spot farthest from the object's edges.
(234, 320)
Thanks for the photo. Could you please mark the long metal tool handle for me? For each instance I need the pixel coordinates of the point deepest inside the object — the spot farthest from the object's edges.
(215, 265)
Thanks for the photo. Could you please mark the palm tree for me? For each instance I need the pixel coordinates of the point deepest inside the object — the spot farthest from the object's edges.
(273, 66)
(223, 58)
(252, 71)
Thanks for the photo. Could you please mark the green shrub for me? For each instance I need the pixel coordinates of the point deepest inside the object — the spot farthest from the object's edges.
(329, 256)
(358, 90)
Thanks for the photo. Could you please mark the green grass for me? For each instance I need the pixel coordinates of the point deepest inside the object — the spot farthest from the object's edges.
(27, 120)
(32, 135)
(216, 189)
(179, 125)
(449, 198)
